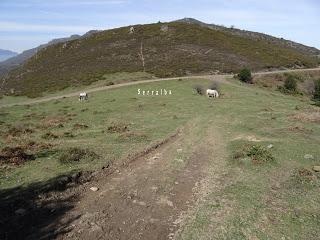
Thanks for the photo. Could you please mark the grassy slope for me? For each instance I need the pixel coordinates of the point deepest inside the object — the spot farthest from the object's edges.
(106, 80)
(184, 48)
(257, 209)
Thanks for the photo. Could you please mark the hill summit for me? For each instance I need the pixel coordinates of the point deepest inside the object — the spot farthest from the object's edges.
(163, 49)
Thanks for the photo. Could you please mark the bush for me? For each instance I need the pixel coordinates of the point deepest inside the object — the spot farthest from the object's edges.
(316, 93)
(245, 75)
(257, 153)
(215, 86)
(72, 155)
(290, 83)
(199, 89)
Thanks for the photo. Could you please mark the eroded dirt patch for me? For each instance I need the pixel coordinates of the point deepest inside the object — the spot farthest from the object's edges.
(140, 201)
(14, 156)
(308, 116)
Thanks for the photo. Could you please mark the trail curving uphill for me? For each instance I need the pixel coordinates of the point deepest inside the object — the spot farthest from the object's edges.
(220, 77)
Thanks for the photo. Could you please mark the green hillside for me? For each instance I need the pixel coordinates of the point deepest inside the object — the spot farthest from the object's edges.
(168, 49)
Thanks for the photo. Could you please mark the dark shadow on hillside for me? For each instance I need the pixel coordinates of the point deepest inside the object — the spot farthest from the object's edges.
(33, 212)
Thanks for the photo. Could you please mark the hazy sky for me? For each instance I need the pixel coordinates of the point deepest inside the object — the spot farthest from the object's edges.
(28, 23)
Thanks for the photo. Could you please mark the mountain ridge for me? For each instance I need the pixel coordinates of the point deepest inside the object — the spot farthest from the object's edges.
(256, 35)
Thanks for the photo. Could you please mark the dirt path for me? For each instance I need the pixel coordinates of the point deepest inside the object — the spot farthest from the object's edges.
(147, 199)
(91, 90)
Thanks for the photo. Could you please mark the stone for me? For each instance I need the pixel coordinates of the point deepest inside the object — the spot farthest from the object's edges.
(94, 189)
(308, 156)
(316, 168)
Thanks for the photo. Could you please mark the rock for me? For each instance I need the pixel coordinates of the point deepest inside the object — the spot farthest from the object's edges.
(270, 146)
(94, 189)
(20, 211)
(316, 168)
(308, 156)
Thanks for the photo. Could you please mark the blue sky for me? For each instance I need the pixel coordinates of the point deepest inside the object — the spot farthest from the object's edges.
(28, 23)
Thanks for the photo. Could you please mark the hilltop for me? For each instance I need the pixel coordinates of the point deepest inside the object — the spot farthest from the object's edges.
(162, 49)
(256, 36)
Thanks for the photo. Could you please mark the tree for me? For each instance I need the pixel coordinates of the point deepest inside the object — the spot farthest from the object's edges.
(290, 83)
(245, 75)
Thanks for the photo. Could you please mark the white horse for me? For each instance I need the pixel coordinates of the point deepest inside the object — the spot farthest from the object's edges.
(83, 96)
(212, 93)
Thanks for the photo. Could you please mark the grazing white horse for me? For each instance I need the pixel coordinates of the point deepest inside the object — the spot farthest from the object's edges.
(83, 96)
(212, 93)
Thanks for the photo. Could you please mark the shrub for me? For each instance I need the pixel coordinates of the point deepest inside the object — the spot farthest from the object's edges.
(77, 154)
(257, 153)
(199, 89)
(215, 86)
(260, 154)
(316, 93)
(303, 177)
(290, 84)
(245, 75)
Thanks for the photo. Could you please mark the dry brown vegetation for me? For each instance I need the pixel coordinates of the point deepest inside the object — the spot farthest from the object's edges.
(133, 135)
(309, 116)
(72, 155)
(14, 156)
(51, 122)
(80, 126)
(118, 128)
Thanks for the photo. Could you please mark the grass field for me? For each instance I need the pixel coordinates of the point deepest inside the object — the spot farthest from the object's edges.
(273, 200)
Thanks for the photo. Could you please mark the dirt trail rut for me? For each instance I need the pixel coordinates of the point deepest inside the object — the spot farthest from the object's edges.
(146, 198)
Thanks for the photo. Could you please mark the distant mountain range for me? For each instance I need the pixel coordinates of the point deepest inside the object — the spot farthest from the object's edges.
(178, 48)
(5, 54)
